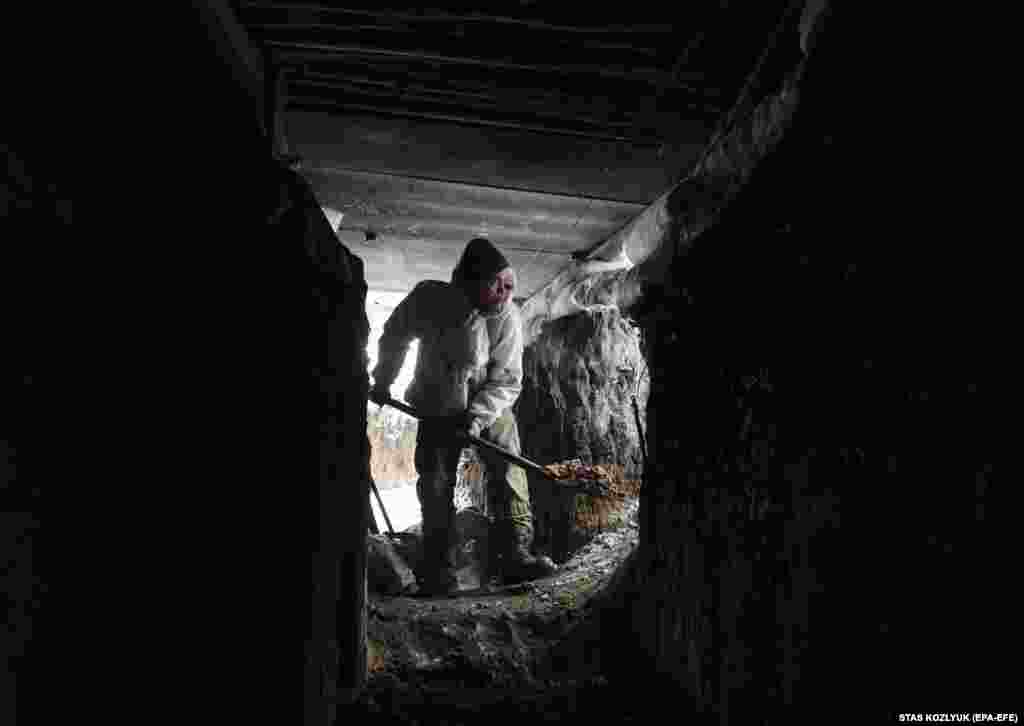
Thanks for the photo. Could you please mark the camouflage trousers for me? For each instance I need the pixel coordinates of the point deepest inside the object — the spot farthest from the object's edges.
(437, 461)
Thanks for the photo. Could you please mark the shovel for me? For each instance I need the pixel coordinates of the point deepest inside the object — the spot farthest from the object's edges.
(503, 453)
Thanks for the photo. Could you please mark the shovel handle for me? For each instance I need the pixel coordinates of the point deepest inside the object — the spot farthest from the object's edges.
(514, 458)
(477, 441)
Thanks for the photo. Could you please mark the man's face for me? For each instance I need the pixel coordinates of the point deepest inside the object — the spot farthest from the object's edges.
(497, 290)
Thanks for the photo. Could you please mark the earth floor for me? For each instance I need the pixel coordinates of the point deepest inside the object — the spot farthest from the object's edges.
(530, 649)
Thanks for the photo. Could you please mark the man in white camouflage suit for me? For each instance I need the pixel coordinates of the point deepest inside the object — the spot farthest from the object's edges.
(468, 374)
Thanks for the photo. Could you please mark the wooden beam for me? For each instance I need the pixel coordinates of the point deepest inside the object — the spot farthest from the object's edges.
(497, 91)
(505, 96)
(342, 186)
(743, 99)
(236, 50)
(447, 35)
(494, 105)
(276, 100)
(321, 104)
(559, 237)
(498, 80)
(442, 17)
(318, 50)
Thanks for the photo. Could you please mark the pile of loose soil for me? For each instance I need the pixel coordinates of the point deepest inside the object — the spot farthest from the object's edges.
(516, 641)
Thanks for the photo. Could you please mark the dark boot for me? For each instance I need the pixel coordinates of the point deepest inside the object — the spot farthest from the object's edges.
(519, 563)
(436, 577)
(440, 582)
(435, 574)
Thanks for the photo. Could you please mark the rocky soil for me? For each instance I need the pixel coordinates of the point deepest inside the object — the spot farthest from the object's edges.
(527, 648)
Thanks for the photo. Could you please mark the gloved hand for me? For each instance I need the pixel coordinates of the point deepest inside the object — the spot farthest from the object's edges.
(464, 424)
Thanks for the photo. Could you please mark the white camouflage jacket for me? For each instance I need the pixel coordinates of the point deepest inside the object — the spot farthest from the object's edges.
(467, 361)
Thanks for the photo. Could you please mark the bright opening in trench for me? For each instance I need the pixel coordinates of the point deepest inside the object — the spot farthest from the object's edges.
(392, 433)
(392, 436)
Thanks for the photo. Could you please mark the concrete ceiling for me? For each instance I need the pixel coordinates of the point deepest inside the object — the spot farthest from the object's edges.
(538, 126)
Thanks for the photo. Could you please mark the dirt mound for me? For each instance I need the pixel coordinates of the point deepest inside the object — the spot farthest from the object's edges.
(521, 639)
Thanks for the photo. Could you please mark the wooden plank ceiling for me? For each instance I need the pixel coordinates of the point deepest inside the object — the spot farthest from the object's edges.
(543, 126)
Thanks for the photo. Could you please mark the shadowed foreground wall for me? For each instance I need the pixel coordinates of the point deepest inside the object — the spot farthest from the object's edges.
(812, 375)
(240, 329)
